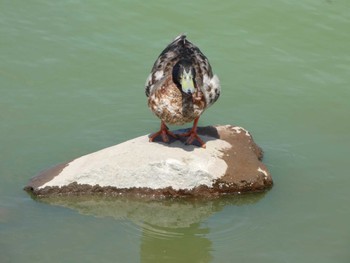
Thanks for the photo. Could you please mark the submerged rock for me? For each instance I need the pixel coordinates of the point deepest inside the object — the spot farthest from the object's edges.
(230, 164)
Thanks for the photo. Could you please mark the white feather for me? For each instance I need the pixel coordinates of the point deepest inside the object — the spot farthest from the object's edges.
(215, 82)
(206, 80)
(159, 74)
(210, 89)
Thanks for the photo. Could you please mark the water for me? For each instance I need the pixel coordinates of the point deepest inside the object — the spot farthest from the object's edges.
(71, 82)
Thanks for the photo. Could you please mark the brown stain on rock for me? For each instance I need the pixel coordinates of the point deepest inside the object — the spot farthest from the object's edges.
(243, 161)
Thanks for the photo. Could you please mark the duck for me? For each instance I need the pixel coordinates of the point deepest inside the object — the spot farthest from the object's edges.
(180, 87)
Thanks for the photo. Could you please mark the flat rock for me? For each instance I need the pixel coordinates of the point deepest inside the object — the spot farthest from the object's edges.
(230, 164)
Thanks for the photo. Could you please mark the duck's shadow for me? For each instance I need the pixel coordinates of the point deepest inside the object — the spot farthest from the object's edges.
(208, 133)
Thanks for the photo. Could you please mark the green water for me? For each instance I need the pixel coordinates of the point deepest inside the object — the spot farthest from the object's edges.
(72, 77)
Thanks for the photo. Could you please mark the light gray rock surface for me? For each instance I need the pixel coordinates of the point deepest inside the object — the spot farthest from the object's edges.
(231, 163)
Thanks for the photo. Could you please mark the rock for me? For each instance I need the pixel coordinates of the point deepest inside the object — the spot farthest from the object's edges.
(231, 164)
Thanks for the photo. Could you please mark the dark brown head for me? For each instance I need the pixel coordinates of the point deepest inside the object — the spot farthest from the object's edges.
(184, 76)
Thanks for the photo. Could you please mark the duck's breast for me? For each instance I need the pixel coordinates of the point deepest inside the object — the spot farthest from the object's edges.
(173, 107)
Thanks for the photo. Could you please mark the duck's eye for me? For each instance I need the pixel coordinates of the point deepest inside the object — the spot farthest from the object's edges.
(187, 77)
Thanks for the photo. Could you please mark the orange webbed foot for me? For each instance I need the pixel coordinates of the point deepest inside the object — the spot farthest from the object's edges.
(163, 132)
(193, 135)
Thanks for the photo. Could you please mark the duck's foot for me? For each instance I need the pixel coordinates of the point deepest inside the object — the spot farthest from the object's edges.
(193, 135)
(163, 132)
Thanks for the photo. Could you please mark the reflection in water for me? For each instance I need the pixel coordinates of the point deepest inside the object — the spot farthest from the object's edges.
(167, 213)
(172, 230)
(190, 245)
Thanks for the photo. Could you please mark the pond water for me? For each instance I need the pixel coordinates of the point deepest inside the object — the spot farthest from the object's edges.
(72, 77)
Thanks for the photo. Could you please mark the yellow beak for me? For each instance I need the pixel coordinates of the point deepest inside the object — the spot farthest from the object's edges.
(187, 84)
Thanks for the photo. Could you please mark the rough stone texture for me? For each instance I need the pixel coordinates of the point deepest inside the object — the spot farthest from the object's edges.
(231, 164)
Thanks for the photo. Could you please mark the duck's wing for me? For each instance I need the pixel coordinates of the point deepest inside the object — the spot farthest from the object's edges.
(164, 64)
(205, 80)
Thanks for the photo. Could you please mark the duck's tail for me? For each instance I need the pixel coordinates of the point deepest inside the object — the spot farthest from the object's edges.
(179, 38)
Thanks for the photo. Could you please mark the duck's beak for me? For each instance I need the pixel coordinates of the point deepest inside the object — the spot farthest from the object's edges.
(186, 82)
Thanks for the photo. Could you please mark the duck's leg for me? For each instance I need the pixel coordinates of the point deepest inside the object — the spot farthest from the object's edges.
(164, 132)
(192, 134)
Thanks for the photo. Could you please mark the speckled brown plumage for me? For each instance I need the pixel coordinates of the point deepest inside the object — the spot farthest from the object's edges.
(169, 104)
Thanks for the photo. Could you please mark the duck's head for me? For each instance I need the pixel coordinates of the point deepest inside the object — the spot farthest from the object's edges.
(184, 76)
